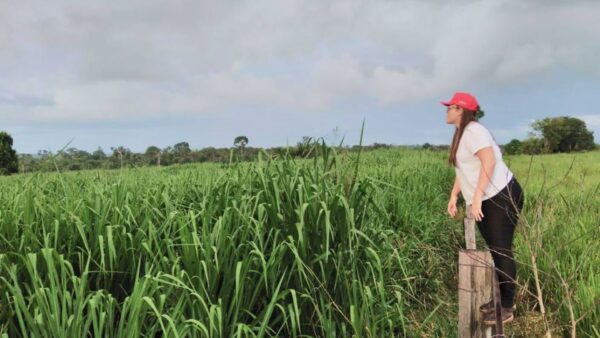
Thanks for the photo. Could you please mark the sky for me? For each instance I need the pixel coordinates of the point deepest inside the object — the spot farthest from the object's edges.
(136, 73)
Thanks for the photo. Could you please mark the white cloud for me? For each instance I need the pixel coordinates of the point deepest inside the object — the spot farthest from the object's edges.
(114, 100)
(334, 78)
(107, 61)
(391, 86)
(229, 88)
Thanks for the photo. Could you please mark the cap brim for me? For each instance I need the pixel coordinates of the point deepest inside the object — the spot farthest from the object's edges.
(446, 103)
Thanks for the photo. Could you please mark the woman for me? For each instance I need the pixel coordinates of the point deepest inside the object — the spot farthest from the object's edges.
(491, 192)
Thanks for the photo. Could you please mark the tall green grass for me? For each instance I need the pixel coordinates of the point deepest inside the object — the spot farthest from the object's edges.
(278, 247)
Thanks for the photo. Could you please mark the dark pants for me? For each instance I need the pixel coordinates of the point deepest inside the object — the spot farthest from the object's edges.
(497, 227)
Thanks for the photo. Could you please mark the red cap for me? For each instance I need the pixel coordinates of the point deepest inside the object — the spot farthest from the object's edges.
(464, 100)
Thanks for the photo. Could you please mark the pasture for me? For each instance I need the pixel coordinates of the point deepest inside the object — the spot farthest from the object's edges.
(341, 245)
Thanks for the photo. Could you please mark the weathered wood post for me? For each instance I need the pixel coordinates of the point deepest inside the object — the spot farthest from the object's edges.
(475, 283)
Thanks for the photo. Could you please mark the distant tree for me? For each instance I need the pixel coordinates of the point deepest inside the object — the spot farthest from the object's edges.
(45, 160)
(532, 146)
(97, 159)
(166, 156)
(303, 147)
(426, 145)
(240, 142)
(207, 154)
(182, 147)
(479, 114)
(27, 163)
(98, 154)
(564, 134)
(9, 162)
(120, 156)
(379, 145)
(152, 155)
(514, 147)
(181, 152)
(75, 159)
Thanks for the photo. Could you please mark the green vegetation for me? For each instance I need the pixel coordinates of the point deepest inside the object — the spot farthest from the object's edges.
(339, 245)
(240, 142)
(73, 159)
(9, 162)
(549, 135)
(554, 135)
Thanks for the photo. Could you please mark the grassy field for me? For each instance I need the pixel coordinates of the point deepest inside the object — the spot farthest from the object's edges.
(330, 247)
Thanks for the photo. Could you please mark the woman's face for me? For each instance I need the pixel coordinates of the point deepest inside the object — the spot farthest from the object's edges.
(453, 114)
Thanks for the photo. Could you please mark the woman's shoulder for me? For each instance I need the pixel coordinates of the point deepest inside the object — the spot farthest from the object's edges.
(476, 129)
(475, 126)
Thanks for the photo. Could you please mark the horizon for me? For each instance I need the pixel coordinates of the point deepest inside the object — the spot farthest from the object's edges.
(140, 73)
(107, 151)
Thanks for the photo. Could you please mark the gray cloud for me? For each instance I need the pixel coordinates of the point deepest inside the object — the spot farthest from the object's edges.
(96, 61)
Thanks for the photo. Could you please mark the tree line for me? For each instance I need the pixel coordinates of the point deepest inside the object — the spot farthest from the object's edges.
(549, 135)
(180, 153)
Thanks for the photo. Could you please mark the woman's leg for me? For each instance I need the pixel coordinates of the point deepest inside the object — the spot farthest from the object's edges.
(497, 228)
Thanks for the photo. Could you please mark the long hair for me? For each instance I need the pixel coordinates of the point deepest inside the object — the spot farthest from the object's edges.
(467, 116)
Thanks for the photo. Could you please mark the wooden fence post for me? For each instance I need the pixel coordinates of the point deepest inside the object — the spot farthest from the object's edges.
(475, 284)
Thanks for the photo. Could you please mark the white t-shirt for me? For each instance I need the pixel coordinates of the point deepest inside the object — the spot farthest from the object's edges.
(474, 138)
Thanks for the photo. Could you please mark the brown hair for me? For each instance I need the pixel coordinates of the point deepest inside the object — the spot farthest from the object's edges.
(467, 116)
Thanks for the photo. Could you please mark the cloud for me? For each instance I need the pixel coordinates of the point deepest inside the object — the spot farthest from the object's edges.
(334, 78)
(230, 88)
(102, 61)
(114, 100)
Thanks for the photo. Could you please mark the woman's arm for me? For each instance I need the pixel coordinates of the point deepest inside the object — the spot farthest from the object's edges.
(455, 188)
(488, 162)
(453, 198)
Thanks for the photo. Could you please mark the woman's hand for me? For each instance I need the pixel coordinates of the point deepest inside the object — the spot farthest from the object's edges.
(452, 206)
(476, 209)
